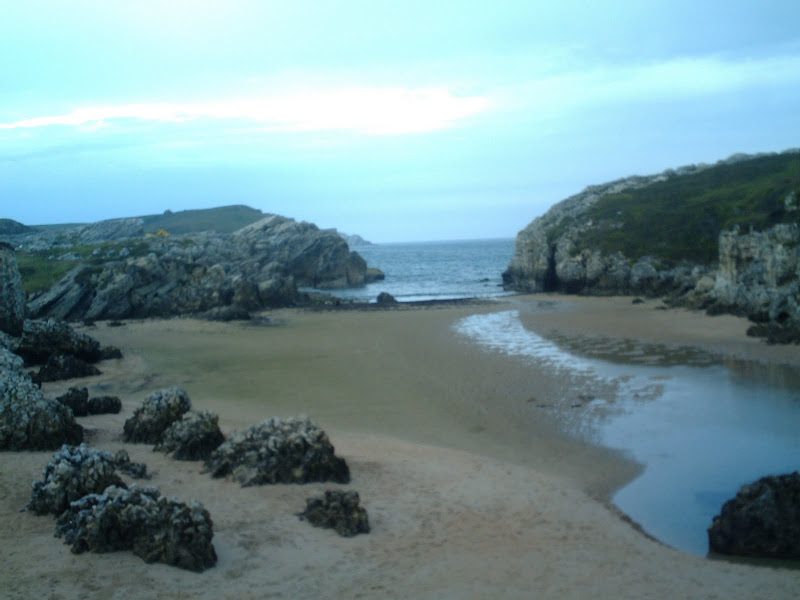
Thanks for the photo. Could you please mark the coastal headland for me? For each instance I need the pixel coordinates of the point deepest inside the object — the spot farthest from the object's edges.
(471, 491)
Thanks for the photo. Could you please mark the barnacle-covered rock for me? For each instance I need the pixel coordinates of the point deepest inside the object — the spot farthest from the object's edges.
(194, 437)
(28, 420)
(100, 405)
(77, 399)
(158, 411)
(72, 473)
(123, 463)
(293, 450)
(64, 366)
(153, 527)
(338, 510)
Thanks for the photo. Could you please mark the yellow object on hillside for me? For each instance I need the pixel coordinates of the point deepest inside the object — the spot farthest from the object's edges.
(159, 233)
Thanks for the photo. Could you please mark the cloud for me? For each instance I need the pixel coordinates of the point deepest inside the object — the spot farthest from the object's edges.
(374, 111)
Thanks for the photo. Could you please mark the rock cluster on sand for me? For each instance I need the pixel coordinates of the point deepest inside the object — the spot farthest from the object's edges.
(193, 437)
(72, 473)
(77, 399)
(762, 520)
(158, 411)
(337, 510)
(28, 420)
(293, 450)
(153, 527)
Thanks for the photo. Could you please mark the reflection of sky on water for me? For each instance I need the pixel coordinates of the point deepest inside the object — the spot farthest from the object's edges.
(711, 428)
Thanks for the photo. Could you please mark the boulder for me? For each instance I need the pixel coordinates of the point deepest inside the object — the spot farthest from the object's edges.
(41, 339)
(158, 411)
(386, 298)
(28, 420)
(101, 405)
(763, 520)
(338, 510)
(193, 437)
(72, 473)
(133, 469)
(143, 521)
(293, 450)
(12, 296)
(77, 399)
(64, 366)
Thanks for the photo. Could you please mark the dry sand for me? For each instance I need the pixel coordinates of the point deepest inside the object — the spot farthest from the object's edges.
(471, 491)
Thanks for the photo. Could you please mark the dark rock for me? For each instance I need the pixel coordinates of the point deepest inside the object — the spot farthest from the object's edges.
(637, 301)
(293, 450)
(337, 510)
(158, 411)
(762, 520)
(124, 464)
(12, 296)
(143, 521)
(372, 275)
(28, 420)
(116, 324)
(226, 313)
(64, 366)
(73, 472)
(194, 437)
(386, 298)
(110, 352)
(102, 405)
(42, 339)
(77, 399)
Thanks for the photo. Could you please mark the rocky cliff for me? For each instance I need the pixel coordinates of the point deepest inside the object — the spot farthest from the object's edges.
(722, 237)
(261, 265)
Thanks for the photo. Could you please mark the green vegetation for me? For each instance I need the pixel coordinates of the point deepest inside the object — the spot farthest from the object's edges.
(680, 219)
(224, 219)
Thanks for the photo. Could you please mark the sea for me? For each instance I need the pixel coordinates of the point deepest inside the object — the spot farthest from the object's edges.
(700, 424)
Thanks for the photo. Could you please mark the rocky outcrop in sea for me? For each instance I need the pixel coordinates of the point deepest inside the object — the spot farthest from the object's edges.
(259, 266)
(753, 273)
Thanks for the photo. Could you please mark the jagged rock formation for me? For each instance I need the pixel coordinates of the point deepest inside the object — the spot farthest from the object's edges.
(762, 520)
(158, 411)
(153, 527)
(588, 244)
(293, 450)
(71, 474)
(109, 231)
(193, 437)
(259, 266)
(77, 399)
(339, 511)
(28, 420)
(12, 297)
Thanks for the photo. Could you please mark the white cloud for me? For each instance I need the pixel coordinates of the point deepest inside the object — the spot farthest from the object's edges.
(375, 111)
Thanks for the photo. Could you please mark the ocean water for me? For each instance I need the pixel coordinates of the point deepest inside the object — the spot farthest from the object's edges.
(435, 270)
(700, 426)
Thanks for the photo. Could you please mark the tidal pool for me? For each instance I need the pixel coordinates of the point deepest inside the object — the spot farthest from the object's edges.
(701, 426)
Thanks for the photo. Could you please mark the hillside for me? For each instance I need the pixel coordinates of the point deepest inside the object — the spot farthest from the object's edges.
(224, 219)
(724, 237)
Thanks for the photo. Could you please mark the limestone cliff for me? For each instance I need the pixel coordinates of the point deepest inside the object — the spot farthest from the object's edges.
(722, 237)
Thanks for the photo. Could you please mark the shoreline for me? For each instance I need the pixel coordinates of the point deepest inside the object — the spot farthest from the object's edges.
(471, 492)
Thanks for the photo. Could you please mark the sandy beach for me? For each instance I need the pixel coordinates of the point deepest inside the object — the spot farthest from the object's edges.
(471, 491)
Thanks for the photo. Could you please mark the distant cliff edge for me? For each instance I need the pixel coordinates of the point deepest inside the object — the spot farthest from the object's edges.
(722, 237)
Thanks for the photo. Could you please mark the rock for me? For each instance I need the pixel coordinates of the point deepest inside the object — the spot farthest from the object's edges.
(77, 399)
(12, 227)
(42, 339)
(194, 437)
(158, 411)
(12, 296)
(110, 230)
(386, 298)
(293, 450)
(110, 352)
(225, 314)
(28, 420)
(337, 510)
(124, 464)
(73, 472)
(762, 520)
(102, 405)
(143, 521)
(372, 275)
(64, 366)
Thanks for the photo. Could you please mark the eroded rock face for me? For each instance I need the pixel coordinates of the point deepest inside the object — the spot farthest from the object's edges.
(762, 520)
(153, 527)
(73, 472)
(193, 437)
(293, 450)
(158, 411)
(337, 510)
(28, 420)
(42, 339)
(12, 296)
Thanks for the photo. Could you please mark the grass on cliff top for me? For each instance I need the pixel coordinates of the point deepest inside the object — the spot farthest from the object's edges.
(224, 219)
(680, 219)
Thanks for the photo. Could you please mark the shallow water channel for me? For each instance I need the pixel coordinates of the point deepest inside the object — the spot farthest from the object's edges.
(701, 426)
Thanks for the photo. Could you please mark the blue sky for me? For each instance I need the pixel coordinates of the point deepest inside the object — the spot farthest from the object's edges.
(399, 121)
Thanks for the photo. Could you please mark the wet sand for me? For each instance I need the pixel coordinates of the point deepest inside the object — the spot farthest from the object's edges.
(471, 491)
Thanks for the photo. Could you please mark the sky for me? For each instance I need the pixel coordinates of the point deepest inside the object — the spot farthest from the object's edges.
(398, 121)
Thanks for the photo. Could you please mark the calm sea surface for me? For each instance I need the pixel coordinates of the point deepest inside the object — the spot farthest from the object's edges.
(701, 426)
